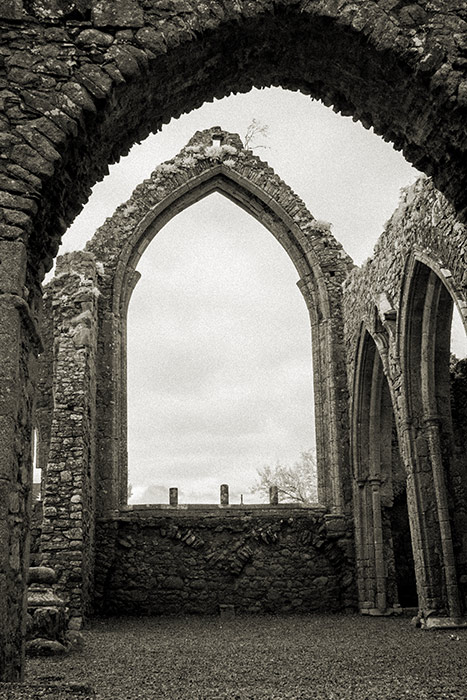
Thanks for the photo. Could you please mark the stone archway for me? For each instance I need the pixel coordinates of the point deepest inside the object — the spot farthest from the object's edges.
(199, 169)
(88, 300)
(386, 575)
(425, 326)
(391, 69)
(76, 72)
(415, 276)
(87, 303)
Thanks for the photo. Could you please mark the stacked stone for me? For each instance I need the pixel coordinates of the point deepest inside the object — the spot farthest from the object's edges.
(423, 237)
(299, 561)
(82, 81)
(46, 621)
(67, 531)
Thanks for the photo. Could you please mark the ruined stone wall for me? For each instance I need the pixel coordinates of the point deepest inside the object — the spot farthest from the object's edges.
(67, 541)
(287, 560)
(19, 345)
(459, 403)
(224, 165)
(424, 228)
(424, 223)
(82, 81)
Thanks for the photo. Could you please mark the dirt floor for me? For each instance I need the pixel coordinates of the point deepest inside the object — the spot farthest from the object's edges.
(325, 657)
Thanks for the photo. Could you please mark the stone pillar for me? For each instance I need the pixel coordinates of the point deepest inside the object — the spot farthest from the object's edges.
(431, 430)
(67, 542)
(19, 343)
(380, 568)
(330, 397)
(360, 543)
(173, 496)
(420, 505)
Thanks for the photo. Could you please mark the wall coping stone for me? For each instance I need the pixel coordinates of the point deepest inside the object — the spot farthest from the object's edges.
(148, 511)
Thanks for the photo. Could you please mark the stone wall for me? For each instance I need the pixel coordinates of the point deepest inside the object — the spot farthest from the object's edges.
(43, 412)
(459, 403)
(82, 81)
(422, 252)
(67, 540)
(215, 160)
(423, 224)
(265, 560)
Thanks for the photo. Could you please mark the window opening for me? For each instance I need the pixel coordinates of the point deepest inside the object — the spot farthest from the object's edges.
(219, 359)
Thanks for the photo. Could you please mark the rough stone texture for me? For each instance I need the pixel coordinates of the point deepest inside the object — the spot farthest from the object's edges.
(398, 68)
(282, 561)
(400, 302)
(80, 82)
(35, 533)
(67, 539)
(201, 167)
(98, 381)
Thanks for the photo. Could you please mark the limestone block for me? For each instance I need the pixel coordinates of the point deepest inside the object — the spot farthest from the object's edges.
(126, 63)
(335, 525)
(12, 266)
(52, 9)
(108, 13)
(41, 574)
(94, 80)
(12, 9)
(48, 623)
(7, 454)
(79, 95)
(30, 159)
(93, 37)
(74, 639)
(45, 647)
(43, 596)
(75, 623)
(148, 38)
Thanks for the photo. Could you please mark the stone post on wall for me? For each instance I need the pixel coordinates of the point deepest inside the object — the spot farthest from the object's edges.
(224, 493)
(273, 495)
(67, 542)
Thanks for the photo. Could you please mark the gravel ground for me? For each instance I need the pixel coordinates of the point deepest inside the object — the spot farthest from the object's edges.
(302, 657)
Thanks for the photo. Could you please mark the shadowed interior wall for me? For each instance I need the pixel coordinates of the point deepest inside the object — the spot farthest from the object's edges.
(260, 560)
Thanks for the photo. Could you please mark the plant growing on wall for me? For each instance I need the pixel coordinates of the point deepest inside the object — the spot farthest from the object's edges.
(255, 129)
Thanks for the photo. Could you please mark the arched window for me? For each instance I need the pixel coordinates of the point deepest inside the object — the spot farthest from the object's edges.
(437, 470)
(219, 358)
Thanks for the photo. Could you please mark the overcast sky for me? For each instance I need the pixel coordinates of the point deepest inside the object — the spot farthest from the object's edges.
(219, 354)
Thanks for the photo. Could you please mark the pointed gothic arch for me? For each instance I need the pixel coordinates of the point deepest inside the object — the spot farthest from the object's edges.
(386, 577)
(424, 332)
(225, 167)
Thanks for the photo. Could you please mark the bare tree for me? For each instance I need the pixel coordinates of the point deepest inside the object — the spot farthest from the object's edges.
(296, 484)
(255, 129)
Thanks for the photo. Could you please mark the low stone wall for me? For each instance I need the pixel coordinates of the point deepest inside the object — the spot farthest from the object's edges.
(151, 561)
